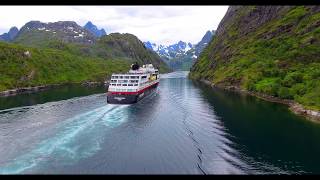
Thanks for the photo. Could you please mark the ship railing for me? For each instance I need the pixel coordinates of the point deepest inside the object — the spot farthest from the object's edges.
(123, 90)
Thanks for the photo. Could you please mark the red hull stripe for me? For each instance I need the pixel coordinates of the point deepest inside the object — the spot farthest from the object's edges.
(134, 93)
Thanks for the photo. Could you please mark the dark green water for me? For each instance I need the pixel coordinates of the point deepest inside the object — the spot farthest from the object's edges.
(184, 128)
(53, 94)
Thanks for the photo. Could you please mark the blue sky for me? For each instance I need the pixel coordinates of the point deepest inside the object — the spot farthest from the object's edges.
(159, 24)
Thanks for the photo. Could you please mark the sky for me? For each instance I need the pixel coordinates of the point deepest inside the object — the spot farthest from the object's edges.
(159, 24)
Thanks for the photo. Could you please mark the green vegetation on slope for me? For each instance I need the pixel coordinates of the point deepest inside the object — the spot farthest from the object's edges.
(280, 58)
(58, 58)
(113, 46)
(128, 47)
(50, 66)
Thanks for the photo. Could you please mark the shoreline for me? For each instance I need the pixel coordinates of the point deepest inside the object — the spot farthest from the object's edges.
(293, 106)
(34, 89)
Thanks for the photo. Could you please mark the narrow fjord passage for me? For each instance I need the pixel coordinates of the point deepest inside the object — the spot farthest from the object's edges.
(184, 128)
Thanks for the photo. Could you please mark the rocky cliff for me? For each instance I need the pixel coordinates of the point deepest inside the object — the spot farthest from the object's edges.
(272, 50)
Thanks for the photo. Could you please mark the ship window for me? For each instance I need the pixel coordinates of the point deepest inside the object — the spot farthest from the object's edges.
(114, 77)
(143, 77)
(133, 81)
(124, 85)
(118, 84)
(120, 77)
(127, 77)
(123, 81)
(135, 84)
(130, 84)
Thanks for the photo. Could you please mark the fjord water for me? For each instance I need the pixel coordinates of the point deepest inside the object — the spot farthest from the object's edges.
(184, 128)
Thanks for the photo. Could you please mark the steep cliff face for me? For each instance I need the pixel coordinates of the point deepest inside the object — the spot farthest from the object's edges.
(272, 50)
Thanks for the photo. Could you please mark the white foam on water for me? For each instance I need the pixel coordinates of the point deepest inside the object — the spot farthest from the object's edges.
(77, 138)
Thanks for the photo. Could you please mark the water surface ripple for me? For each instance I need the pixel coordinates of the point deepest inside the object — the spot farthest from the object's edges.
(184, 128)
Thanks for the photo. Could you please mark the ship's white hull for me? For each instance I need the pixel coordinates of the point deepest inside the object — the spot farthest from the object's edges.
(130, 98)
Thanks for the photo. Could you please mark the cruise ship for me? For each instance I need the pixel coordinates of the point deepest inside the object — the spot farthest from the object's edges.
(131, 87)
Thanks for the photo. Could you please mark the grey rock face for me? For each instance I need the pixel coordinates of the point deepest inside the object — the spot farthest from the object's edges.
(67, 31)
(10, 35)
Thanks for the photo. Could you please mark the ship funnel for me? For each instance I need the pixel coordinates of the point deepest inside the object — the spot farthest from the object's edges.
(135, 66)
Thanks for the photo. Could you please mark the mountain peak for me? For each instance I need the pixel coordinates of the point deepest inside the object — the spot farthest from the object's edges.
(208, 32)
(36, 33)
(10, 35)
(208, 35)
(14, 28)
(33, 24)
(89, 23)
(13, 32)
(204, 41)
(181, 42)
(94, 29)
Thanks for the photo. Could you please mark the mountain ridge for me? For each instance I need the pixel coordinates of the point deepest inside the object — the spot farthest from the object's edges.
(38, 56)
(181, 55)
(37, 33)
(71, 37)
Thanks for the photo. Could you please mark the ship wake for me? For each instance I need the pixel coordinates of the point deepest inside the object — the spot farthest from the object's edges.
(64, 148)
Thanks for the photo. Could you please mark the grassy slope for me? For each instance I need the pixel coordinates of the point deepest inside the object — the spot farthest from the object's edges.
(113, 46)
(49, 66)
(286, 66)
(129, 47)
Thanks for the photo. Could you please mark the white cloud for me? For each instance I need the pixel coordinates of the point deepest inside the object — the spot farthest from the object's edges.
(160, 24)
